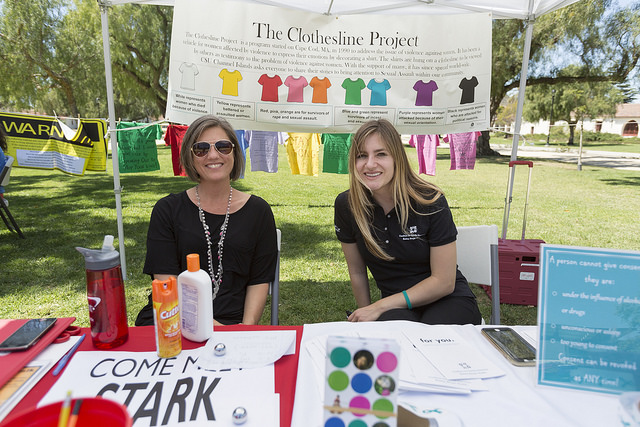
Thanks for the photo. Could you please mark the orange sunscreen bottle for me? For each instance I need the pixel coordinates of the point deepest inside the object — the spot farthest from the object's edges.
(166, 317)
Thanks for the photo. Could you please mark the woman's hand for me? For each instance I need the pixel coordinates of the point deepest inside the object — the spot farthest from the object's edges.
(367, 313)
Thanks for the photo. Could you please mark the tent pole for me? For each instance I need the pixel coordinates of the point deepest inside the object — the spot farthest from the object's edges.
(104, 17)
(516, 132)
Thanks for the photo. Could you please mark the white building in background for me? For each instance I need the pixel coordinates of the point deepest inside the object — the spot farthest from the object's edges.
(625, 123)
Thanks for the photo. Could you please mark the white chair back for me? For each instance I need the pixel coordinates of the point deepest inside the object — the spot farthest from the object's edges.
(477, 251)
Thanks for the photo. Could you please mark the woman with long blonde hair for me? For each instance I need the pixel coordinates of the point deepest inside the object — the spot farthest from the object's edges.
(400, 227)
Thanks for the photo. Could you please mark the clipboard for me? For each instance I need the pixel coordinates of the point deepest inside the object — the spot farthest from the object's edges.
(16, 360)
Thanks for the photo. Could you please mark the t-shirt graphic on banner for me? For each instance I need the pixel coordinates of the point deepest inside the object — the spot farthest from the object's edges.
(424, 97)
(189, 72)
(378, 91)
(270, 87)
(463, 149)
(302, 152)
(320, 87)
(335, 158)
(353, 91)
(468, 87)
(263, 150)
(296, 87)
(230, 81)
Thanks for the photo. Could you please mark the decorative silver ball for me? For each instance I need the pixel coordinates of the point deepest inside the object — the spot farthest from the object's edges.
(239, 415)
(220, 349)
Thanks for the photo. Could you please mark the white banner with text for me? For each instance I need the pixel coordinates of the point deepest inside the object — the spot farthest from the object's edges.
(269, 68)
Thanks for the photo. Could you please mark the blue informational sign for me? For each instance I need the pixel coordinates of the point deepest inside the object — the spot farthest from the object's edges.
(589, 318)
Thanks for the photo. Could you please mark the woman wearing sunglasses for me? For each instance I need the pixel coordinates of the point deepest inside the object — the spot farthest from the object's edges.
(233, 232)
(400, 227)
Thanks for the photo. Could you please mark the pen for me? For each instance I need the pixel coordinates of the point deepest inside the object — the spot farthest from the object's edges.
(63, 362)
(64, 411)
(74, 413)
(349, 314)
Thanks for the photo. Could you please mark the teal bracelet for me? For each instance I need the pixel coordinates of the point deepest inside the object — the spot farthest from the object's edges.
(406, 298)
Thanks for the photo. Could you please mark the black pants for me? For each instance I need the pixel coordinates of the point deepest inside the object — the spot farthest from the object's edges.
(145, 316)
(449, 310)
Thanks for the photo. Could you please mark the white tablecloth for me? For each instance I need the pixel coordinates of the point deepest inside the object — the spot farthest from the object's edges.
(511, 400)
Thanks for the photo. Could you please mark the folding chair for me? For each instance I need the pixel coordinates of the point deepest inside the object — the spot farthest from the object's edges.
(477, 248)
(274, 287)
(8, 219)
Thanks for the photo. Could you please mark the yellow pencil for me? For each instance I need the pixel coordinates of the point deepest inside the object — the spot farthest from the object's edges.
(65, 410)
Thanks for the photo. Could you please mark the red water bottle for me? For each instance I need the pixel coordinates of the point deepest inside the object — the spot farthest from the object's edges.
(105, 292)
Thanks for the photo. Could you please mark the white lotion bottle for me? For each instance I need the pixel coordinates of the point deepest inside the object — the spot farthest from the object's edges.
(196, 301)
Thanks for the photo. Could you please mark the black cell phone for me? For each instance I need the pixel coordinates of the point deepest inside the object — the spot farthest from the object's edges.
(515, 348)
(28, 334)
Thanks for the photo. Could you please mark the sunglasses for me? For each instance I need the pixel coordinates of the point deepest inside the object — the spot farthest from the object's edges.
(200, 149)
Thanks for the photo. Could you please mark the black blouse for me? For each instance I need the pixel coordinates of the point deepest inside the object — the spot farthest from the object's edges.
(249, 254)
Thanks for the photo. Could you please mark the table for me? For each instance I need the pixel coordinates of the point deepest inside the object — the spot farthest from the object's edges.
(143, 339)
(511, 400)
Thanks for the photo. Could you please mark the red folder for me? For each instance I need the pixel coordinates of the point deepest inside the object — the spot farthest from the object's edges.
(16, 360)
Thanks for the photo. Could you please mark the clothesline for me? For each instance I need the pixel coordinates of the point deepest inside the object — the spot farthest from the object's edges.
(137, 149)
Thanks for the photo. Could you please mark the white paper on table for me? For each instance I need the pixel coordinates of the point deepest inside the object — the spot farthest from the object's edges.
(416, 372)
(247, 349)
(44, 362)
(148, 383)
(451, 355)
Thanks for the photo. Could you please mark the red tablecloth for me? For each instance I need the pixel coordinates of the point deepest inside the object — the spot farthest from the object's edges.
(142, 339)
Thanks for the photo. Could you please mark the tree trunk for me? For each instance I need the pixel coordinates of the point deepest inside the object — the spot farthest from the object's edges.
(572, 129)
(482, 145)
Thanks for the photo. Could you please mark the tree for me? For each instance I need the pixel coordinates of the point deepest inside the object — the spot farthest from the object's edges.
(140, 42)
(573, 102)
(604, 44)
(50, 56)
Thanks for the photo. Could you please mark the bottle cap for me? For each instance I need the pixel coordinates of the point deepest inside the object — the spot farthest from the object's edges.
(193, 262)
(163, 290)
(107, 243)
(101, 259)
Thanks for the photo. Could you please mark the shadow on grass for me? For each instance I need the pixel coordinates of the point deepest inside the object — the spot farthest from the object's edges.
(73, 211)
(626, 181)
(309, 301)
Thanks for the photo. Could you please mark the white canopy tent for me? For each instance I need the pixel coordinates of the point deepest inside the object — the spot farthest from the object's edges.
(527, 10)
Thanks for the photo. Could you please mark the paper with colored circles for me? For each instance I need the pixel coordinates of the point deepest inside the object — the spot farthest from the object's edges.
(361, 382)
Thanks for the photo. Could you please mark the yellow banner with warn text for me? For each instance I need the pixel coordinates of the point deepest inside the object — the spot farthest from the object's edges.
(44, 142)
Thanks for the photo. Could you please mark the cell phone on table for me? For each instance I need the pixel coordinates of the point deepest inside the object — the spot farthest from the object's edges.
(27, 335)
(515, 348)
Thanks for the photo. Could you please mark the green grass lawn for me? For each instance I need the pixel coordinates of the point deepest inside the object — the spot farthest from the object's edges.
(43, 275)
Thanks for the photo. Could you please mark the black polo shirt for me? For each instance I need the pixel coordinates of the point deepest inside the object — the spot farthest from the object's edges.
(433, 226)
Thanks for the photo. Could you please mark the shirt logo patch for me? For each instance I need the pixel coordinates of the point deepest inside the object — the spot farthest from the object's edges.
(413, 234)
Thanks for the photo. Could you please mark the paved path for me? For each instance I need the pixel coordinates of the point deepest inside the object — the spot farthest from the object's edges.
(608, 159)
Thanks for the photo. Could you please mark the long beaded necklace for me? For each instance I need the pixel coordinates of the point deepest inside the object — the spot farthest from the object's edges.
(216, 279)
